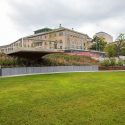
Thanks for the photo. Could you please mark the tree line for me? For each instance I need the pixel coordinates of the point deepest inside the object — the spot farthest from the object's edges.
(115, 49)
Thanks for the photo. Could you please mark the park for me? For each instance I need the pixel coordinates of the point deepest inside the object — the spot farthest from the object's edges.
(62, 62)
(92, 98)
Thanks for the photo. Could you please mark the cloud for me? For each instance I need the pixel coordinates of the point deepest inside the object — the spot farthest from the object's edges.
(87, 16)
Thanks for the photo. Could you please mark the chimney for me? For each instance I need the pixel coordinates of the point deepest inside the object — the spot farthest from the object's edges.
(60, 25)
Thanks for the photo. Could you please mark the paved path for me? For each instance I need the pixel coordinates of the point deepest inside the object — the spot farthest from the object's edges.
(62, 72)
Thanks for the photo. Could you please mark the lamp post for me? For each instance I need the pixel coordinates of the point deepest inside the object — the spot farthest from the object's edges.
(96, 46)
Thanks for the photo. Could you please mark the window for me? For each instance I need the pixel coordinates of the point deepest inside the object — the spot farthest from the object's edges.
(45, 43)
(60, 33)
(61, 42)
(55, 45)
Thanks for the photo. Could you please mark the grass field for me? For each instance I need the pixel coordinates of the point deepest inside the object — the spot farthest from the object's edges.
(63, 99)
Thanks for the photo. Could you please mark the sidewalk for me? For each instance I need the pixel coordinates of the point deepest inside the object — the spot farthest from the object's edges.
(63, 72)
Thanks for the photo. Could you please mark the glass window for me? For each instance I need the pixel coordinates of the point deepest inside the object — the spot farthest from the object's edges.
(60, 33)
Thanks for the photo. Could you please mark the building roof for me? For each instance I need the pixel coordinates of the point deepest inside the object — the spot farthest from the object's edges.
(42, 30)
(56, 30)
(103, 33)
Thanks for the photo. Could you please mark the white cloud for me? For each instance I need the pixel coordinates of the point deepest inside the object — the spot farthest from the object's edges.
(19, 18)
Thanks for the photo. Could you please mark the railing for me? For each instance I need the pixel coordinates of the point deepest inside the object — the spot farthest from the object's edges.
(41, 70)
(37, 49)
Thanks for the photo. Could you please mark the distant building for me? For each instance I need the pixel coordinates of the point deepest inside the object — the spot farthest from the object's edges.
(61, 39)
(108, 38)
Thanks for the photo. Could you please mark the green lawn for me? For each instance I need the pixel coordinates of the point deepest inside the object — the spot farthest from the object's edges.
(63, 99)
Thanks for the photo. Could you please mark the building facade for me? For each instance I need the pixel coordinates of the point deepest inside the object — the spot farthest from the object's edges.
(61, 39)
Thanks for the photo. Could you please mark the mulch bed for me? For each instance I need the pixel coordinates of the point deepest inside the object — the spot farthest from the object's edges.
(111, 67)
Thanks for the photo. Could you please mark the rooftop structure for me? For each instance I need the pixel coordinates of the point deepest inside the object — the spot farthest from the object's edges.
(42, 30)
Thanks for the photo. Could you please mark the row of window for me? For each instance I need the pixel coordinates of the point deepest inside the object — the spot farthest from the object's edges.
(76, 35)
(50, 35)
(61, 33)
(51, 46)
(7, 50)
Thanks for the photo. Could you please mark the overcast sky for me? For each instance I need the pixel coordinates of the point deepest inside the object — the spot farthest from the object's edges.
(20, 18)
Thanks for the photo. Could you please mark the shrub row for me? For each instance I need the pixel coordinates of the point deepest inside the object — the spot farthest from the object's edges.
(112, 62)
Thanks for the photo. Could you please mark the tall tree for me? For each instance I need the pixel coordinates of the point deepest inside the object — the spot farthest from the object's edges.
(110, 50)
(98, 44)
(120, 43)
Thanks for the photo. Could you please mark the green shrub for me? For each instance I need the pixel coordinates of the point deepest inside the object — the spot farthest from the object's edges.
(112, 62)
(120, 63)
(105, 62)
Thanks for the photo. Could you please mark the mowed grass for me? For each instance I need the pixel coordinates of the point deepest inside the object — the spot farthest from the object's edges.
(63, 99)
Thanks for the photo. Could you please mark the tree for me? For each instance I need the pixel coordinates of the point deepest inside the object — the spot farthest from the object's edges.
(120, 43)
(122, 51)
(98, 44)
(110, 49)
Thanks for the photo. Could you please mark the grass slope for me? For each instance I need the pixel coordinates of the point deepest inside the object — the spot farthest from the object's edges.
(58, 59)
(63, 99)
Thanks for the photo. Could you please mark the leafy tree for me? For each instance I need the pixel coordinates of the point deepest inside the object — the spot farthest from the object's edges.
(120, 43)
(122, 51)
(98, 44)
(110, 49)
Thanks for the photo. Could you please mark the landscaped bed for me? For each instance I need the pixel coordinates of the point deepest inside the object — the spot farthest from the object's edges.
(111, 67)
(63, 99)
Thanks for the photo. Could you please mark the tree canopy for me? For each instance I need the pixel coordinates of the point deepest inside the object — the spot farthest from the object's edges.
(120, 44)
(110, 49)
(98, 44)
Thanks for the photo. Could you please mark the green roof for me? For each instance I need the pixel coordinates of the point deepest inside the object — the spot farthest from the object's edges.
(42, 30)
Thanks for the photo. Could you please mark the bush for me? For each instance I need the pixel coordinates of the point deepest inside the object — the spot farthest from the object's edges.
(105, 62)
(112, 62)
(120, 63)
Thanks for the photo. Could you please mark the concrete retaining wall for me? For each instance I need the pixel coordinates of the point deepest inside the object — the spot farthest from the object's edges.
(51, 69)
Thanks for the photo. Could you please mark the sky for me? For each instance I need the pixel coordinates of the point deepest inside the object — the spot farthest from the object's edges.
(19, 18)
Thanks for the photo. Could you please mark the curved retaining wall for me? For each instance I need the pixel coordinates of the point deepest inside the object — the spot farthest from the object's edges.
(41, 70)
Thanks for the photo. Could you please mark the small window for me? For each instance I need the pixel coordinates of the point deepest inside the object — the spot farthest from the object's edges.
(45, 43)
(61, 42)
(60, 33)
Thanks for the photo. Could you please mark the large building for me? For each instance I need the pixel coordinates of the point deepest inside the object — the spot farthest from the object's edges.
(108, 38)
(61, 39)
